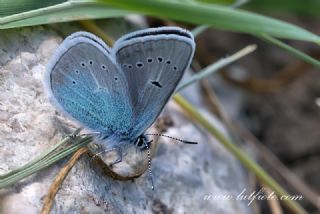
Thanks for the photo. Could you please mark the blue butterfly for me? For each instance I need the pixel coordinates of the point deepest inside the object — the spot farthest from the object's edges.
(119, 92)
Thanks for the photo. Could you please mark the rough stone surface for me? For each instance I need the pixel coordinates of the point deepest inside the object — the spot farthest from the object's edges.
(183, 174)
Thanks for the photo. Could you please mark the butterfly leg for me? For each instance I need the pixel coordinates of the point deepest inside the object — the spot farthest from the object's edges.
(119, 155)
(117, 150)
(73, 136)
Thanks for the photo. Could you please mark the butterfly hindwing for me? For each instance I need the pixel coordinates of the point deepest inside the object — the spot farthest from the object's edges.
(153, 62)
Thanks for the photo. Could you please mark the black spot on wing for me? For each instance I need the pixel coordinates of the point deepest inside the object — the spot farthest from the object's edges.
(156, 83)
(139, 65)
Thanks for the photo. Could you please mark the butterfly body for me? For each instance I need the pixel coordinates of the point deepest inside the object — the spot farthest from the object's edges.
(118, 92)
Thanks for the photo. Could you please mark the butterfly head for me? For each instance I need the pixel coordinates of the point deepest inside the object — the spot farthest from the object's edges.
(122, 140)
(142, 142)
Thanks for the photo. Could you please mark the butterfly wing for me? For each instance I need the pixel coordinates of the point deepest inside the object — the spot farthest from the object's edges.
(90, 36)
(153, 62)
(84, 81)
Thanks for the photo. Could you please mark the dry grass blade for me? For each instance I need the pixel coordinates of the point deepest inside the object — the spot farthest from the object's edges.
(55, 186)
(273, 203)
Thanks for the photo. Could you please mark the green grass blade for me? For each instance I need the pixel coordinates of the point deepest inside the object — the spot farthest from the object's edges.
(67, 11)
(216, 66)
(198, 30)
(216, 16)
(297, 7)
(10, 7)
(290, 49)
(42, 162)
(43, 155)
(39, 158)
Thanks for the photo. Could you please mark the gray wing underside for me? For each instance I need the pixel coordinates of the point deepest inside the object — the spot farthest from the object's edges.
(86, 83)
(153, 67)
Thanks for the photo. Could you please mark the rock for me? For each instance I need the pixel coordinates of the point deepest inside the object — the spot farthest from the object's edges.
(184, 175)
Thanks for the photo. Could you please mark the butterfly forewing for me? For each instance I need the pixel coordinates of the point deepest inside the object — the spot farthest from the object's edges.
(86, 83)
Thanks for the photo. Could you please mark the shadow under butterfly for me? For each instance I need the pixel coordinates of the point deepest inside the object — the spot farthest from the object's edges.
(118, 93)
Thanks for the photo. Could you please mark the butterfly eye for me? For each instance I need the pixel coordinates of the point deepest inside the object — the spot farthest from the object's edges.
(160, 59)
(140, 142)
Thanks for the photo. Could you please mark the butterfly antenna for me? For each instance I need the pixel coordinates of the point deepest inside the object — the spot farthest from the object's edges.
(149, 163)
(174, 138)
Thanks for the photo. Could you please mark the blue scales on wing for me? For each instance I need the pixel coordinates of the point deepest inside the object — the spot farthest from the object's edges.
(87, 84)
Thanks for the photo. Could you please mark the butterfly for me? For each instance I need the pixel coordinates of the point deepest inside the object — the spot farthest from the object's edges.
(118, 92)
